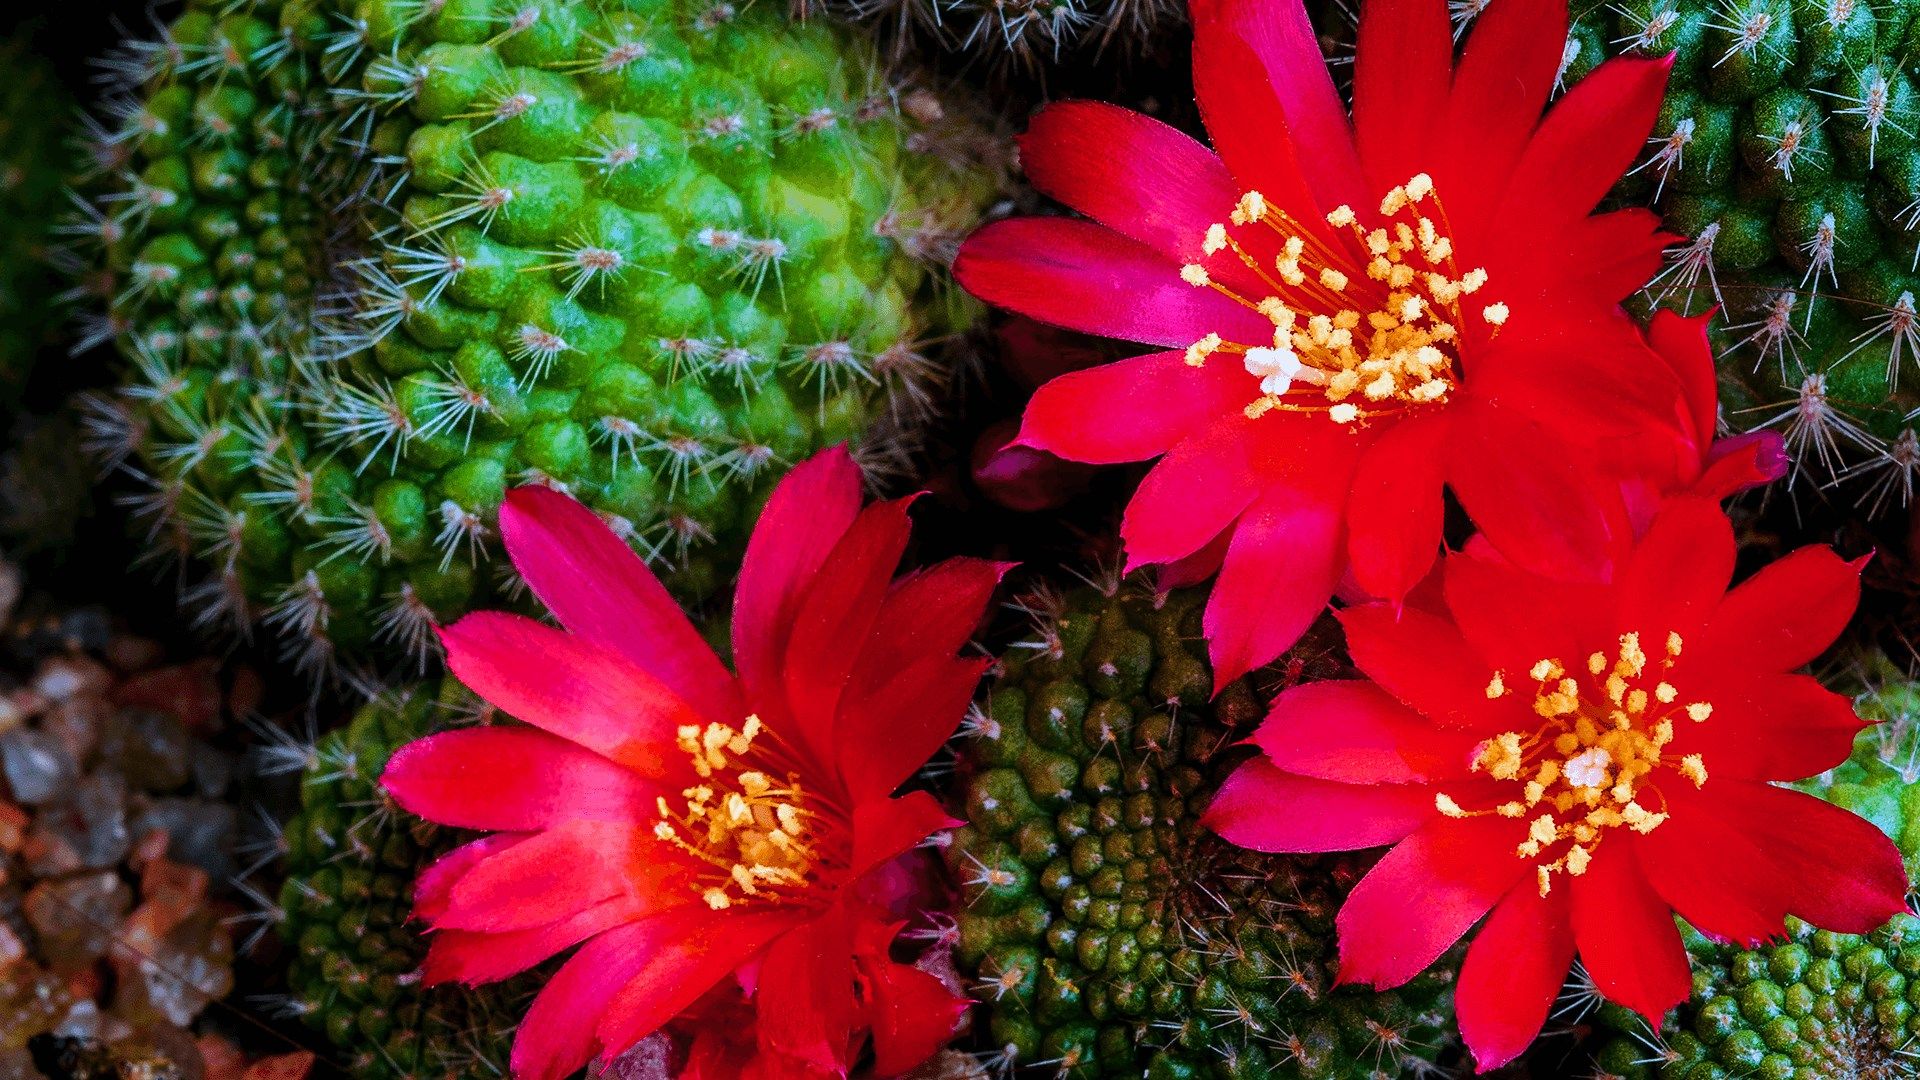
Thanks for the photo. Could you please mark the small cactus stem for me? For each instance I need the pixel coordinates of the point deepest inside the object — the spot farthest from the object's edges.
(1814, 428)
(407, 623)
(537, 348)
(460, 527)
(499, 104)
(1872, 109)
(745, 461)
(452, 404)
(1789, 146)
(357, 415)
(359, 533)
(1747, 22)
(218, 530)
(676, 530)
(610, 55)
(1891, 475)
(828, 365)
(585, 261)
(1670, 155)
(400, 84)
(1646, 30)
(1773, 333)
(1463, 12)
(518, 21)
(1900, 325)
(431, 266)
(757, 257)
(682, 458)
(479, 198)
(736, 363)
(693, 353)
(1819, 251)
(621, 437)
(609, 156)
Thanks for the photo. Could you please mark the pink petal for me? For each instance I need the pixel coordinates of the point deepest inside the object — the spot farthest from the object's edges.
(557, 1035)
(885, 829)
(1081, 276)
(1783, 616)
(805, 996)
(1739, 462)
(558, 873)
(1137, 176)
(1512, 975)
(431, 889)
(1587, 141)
(1424, 894)
(912, 1015)
(1540, 504)
(513, 778)
(1676, 576)
(885, 733)
(471, 958)
(1280, 570)
(1424, 661)
(600, 589)
(686, 952)
(1258, 73)
(803, 520)
(930, 613)
(1770, 727)
(1682, 342)
(564, 684)
(1395, 512)
(1134, 409)
(1265, 809)
(835, 617)
(1190, 496)
(1356, 733)
(1626, 933)
(1514, 619)
(1506, 73)
(1403, 62)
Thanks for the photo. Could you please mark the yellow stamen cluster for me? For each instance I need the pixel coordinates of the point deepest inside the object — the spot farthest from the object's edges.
(1594, 763)
(1366, 320)
(741, 821)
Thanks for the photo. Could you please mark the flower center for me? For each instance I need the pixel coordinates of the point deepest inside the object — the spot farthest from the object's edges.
(748, 826)
(1366, 321)
(1595, 758)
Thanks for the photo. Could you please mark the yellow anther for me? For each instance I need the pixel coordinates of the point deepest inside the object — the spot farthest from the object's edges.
(1341, 217)
(1198, 352)
(1544, 879)
(1495, 314)
(1699, 711)
(1496, 687)
(1419, 187)
(1664, 693)
(1216, 239)
(1597, 663)
(1546, 670)
(1252, 207)
(1195, 274)
(1343, 413)
(1673, 644)
(1444, 803)
(1578, 858)
(1694, 768)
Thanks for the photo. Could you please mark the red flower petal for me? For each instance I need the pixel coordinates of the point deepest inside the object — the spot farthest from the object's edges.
(1084, 277)
(1262, 808)
(835, 618)
(1137, 176)
(1395, 512)
(930, 613)
(1356, 733)
(1512, 974)
(431, 889)
(1737, 856)
(1676, 576)
(1739, 462)
(1244, 120)
(1682, 342)
(805, 993)
(1134, 409)
(569, 686)
(558, 873)
(1424, 661)
(512, 778)
(1512, 618)
(684, 953)
(1783, 616)
(1626, 933)
(1402, 71)
(667, 951)
(600, 589)
(1250, 55)
(1424, 894)
(803, 520)
(1539, 508)
(1281, 567)
(885, 733)
(1586, 142)
(911, 1013)
(470, 958)
(1770, 727)
(1190, 496)
(887, 828)
(1506, 73)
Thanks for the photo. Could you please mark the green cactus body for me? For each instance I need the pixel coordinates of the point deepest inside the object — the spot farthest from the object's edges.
(1788, 152)
(1820, 1005)
(31, 136)
(377, 265)
(352, 857)
(1106, 933)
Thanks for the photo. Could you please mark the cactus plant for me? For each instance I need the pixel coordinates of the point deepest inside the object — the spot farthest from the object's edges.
(1107, 934)
(1788, 154)
(1817, 1005)
(346, 906)
(372, 265)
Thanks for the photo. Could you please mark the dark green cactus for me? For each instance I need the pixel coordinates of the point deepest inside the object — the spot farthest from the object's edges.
(1788, 153)
(352, 857)
(1106, 933)
(376, 263)
(1820, 1005)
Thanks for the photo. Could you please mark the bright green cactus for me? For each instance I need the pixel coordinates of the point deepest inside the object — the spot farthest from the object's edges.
(1820, 1005)
(351, 860)
(1788, 152)
(379, 262)
(32, 103)
(1105, 932)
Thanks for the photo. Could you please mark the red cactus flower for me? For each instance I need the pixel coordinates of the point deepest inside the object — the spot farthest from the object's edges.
(1357, 313)
(1575, 762)
(687, 823)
